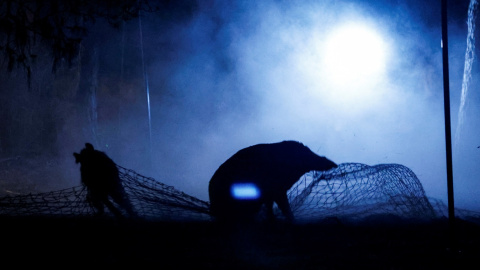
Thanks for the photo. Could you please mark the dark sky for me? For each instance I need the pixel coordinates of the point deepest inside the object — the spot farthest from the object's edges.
(356, 81)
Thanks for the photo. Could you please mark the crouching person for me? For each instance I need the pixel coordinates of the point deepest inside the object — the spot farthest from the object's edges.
(99, 174)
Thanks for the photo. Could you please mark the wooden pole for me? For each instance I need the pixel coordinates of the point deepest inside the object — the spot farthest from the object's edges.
(448, 136)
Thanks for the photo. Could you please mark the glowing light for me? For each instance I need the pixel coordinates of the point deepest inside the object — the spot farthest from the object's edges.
(354, 55)
(245, 191)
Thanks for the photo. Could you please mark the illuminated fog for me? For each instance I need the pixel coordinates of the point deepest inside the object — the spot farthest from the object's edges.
(226, 75)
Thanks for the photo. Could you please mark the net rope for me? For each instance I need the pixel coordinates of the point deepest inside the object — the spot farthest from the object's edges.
(352, 191)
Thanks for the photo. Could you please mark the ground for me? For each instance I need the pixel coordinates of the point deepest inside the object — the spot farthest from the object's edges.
(37, 241)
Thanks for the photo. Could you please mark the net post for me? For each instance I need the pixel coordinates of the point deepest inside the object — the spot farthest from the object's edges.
(448, 136)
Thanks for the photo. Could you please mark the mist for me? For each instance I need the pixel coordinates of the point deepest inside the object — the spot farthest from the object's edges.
(223, 76)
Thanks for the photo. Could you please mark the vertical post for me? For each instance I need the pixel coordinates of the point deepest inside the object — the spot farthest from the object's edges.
(448, 136)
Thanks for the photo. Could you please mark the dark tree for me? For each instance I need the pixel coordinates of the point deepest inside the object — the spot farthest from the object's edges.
(60, 58)
(57, 26)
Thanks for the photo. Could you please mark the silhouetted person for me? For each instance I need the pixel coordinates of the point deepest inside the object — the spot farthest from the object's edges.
(100, 175)
(261, 174)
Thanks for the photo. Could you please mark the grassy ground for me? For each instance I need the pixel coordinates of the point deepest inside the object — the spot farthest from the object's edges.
(36, 241)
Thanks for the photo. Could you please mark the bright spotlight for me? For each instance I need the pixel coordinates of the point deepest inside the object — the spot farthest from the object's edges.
(354, 55)
(245, 191)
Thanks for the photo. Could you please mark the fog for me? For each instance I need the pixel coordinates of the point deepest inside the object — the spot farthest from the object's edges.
(222, 76)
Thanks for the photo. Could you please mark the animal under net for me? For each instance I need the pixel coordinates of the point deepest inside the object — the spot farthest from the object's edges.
(352, 191)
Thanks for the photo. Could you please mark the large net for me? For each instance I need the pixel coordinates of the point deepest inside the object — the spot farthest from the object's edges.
(356, 191)
(150, 198)
(351, 191)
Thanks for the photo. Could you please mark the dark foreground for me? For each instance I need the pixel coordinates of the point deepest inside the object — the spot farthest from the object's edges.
(207, 245)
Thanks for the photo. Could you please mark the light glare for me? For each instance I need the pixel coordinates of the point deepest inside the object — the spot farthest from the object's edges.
(354, 55)
(245, 191)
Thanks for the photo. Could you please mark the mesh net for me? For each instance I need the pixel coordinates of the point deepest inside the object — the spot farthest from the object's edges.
(150, 199)
(355, 191)
(351, 191)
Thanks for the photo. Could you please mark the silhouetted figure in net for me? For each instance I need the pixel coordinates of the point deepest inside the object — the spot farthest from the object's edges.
(261, 175)
(100, 175)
